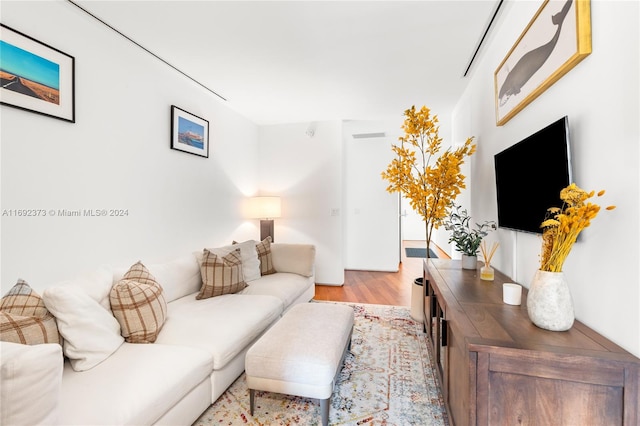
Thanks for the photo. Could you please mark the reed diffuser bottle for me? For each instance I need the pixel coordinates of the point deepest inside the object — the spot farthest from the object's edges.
(486, 272)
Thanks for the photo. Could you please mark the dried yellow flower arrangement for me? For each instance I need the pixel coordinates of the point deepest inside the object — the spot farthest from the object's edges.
(563, 225)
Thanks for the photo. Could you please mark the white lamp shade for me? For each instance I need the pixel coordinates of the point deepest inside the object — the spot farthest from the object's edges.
(264, 207)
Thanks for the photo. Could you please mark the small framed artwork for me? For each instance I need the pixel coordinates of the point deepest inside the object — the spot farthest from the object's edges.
(36, 77)
(556, 40)
(189, 133)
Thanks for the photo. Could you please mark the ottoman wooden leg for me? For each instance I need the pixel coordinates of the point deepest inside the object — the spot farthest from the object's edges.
(252, 399)
(324, 410)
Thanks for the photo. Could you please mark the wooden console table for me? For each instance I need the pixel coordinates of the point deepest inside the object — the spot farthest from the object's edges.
(495, 367)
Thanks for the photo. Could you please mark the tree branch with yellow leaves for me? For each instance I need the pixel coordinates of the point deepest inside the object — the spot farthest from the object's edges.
(433, 181)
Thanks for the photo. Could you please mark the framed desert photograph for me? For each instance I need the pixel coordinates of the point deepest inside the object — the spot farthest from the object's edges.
(36, 77)
(189, 133)
(557, 39)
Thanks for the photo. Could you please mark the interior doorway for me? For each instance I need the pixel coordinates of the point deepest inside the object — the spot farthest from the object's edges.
(411, 224)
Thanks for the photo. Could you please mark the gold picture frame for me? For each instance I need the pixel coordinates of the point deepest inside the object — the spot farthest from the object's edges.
(556, 40)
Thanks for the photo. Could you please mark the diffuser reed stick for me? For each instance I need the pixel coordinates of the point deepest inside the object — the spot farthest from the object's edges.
(487, 254)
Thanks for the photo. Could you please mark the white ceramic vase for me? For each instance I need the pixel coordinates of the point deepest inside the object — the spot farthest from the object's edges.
(549, 302)
(469, 262)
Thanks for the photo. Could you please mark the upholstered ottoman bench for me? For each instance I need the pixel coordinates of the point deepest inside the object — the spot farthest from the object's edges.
(302, 354)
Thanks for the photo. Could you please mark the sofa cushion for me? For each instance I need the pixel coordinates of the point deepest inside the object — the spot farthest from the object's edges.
(136, 385)
(266, 259)
(221, 274)
(137, 302)
(90, 332)
(178, 277)
(285, 286)
(31, 377)
(294, 258)
(25, 319)
(223, 326)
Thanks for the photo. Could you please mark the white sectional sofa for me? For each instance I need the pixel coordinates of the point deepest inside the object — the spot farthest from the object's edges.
(101, 379)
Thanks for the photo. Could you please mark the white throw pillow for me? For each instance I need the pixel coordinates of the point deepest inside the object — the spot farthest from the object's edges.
(31, 376)
(90, 332)
(96, 283)
(250, 261)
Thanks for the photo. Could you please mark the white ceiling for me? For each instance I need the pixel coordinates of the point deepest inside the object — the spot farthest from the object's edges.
(297, 61)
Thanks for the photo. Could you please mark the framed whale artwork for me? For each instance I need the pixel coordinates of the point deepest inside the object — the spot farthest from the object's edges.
(557, 39)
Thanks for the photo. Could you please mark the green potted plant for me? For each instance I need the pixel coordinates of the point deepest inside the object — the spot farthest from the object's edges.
(466, 239)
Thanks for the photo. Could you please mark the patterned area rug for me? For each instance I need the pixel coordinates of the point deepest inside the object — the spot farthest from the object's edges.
(387, 379)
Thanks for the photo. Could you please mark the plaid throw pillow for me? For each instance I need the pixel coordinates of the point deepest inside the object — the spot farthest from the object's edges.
(25, 319)
(264, 254)
(138, 303)
(221, 274)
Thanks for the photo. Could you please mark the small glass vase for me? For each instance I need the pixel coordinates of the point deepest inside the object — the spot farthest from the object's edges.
(486, 273)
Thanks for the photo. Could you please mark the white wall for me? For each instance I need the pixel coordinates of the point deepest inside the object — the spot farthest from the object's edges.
(307, 173)
(600, 97)
(116, 155)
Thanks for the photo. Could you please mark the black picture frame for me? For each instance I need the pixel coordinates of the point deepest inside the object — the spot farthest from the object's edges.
(189, 133)
(36, 77)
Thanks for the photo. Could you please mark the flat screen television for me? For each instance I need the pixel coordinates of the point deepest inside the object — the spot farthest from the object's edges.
(530, 175)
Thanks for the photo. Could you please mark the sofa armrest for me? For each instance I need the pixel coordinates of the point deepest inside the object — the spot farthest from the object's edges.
(31, 377)
(295, 258)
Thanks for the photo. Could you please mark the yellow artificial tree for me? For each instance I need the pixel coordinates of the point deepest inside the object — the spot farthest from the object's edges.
(429, 181)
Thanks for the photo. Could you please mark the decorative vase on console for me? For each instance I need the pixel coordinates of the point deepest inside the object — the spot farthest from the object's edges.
(549, 302)
(466, 239)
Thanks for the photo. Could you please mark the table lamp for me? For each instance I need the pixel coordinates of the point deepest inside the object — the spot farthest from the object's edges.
(265, 209)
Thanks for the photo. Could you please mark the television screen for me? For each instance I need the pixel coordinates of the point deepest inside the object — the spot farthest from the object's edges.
(530, 176)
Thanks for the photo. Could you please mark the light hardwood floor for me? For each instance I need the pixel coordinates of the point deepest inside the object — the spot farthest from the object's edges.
(383, 288)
